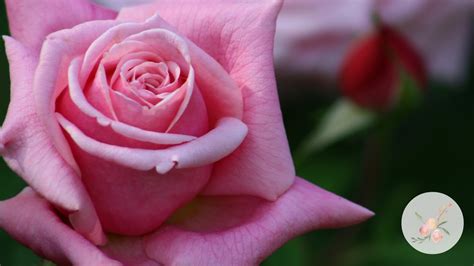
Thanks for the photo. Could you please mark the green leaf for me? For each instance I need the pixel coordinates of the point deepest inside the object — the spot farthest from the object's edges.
(444, 229)
(419, 216)
(341, 120)
(442, 223)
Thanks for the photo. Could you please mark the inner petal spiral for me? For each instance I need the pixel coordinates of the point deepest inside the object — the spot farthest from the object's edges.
(146, 80)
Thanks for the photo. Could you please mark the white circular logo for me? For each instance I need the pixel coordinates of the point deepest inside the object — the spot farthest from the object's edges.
(432, 223)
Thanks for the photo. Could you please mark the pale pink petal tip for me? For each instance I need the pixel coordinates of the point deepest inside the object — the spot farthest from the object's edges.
(342, 212)
(96, 235)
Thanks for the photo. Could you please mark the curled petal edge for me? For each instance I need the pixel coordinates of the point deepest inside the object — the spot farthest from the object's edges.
(210, 148)
(39, 227)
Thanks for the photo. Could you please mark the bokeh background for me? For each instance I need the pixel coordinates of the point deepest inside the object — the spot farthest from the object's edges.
(430, 149)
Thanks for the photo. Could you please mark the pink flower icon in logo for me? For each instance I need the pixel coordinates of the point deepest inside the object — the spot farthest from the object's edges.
(433, 228)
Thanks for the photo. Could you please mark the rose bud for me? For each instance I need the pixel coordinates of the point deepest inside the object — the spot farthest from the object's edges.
(376, 69)
(436, 236)
(121, 123)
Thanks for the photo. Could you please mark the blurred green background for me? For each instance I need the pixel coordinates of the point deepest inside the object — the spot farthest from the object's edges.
(430, 150)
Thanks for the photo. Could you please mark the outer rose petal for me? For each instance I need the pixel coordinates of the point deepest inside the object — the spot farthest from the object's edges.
(51, 75)
(258, 228)
(239, 35)
(32, 20)
(38, 227)
(29, 150)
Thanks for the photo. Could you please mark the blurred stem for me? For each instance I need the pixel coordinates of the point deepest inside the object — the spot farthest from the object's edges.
(372, 177)
(371, 168)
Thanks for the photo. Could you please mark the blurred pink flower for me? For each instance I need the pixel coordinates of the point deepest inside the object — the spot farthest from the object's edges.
(428, 227)
(436, 236)
(373, 71)
(313, 36)
(424, 230)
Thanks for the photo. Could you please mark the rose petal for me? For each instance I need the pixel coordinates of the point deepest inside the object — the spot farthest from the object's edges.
(194, 120)
(263, 229)
(81, 102)
(32, 20)
(239, 35)
(135, 202)
(221, 94)
(258, 228)
(51, 77)
(171, 48)
(213, 146)
(30, 152)
(38, 227)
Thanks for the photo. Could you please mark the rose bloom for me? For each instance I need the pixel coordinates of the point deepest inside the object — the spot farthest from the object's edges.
(152, 136)
(436, 236)
(314, 36)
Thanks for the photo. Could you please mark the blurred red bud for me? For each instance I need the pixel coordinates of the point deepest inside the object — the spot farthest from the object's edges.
(371, 75)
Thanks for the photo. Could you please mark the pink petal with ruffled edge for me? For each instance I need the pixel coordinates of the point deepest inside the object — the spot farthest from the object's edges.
(31, 21)
(51, 77)
(38, 227)
(210, 148)
(29, 150)
(239, 35)
(255, 228)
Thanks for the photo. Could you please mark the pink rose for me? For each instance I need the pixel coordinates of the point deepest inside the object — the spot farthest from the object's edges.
(163, 130)
(312, 38)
